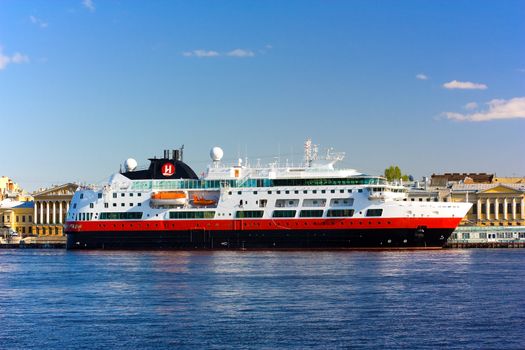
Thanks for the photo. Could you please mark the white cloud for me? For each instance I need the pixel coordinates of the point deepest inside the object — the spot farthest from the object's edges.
(201, 53)
(89, 5)
(17, 58)
(521, 70)
(471, 106)
(268, 46)
(464, 85)
(497, 109)
(241, 53)
(38, 22)
(421, 76)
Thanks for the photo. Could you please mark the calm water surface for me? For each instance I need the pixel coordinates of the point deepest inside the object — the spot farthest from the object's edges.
(457, 299)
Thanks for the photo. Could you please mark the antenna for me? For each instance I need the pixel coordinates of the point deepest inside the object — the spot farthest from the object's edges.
(308, 151)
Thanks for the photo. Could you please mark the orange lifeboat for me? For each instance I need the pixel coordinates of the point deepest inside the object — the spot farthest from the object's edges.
(202, 201)
(169, 198)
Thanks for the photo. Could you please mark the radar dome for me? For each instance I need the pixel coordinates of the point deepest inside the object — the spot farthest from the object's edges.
(130, 164)
(216, 154)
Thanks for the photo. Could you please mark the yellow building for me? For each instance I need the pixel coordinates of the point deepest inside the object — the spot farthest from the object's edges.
(50, 209)
(494, 204)
(16, 216)
(8, 188)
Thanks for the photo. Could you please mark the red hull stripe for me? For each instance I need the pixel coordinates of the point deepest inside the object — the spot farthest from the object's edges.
(262, 224)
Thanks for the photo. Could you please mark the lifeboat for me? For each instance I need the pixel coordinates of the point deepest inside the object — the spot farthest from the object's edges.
(201, 201)
(169, 198)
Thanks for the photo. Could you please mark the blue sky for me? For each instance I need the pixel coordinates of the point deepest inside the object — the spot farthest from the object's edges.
(430, 86)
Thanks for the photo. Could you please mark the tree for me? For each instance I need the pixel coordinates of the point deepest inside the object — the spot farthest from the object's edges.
(394, 173)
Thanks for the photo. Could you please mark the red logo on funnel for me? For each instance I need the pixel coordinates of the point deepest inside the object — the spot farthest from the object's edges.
(168, 169)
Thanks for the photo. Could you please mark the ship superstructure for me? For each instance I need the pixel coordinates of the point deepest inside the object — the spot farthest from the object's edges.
(313, 206)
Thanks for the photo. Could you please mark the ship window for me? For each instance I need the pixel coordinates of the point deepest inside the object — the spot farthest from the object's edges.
(139, 194)
(311, 213)
(323, 191)
(192, 215)
(262, 203)
(360, 190)
(100, 195)
(284, 213)
(374, 212)
(249, 214)
(332, 191)
(91, 205)
(74, 205)
(131, 194)
(114, 195)
(296, 192)
(254, 192)
(287, 192)
(314, 191)
(122, 204)
(130, 204)
(239, 192)
(121, 216)
(269, 192)
(81, 195)
(139, 204)
(229, 192)
(340, 213)
(349, 191)
(122, 194)
(106, 205)
(305, 191)
(278, 192)
(114, 204)
(342, 191)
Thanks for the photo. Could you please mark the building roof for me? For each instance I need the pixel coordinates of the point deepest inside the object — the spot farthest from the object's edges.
(459, 187)
(465, 177)
(12, 204)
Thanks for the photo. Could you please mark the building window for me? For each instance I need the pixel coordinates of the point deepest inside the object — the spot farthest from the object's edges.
(91, 205)
(122, 194)
(100, 195)
(81, 195)
(483, 209)
(114, 195)
(106, 205)
(466, 235)
(131, 194)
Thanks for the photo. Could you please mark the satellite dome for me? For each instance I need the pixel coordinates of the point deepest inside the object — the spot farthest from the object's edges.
(216, 154)
(130, 164)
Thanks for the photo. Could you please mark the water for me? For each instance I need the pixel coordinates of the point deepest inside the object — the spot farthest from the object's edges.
(457, 299)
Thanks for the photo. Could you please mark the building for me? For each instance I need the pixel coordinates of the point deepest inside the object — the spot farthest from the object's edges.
(8, 188)
(17, 216)
(493, 204)
(50, 209)
(443, 180)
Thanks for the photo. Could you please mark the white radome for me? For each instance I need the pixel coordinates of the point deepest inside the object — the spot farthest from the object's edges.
(130, 164)
(216, 154)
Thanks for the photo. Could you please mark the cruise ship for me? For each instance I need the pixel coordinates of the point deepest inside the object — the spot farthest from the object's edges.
(243, 207)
